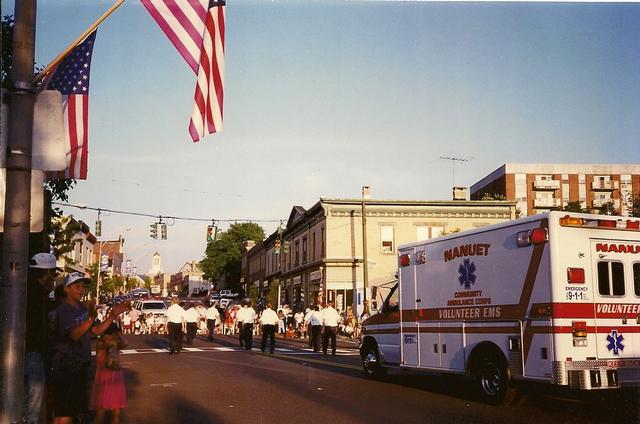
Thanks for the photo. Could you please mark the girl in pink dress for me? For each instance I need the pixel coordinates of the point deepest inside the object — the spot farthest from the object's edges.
(108, 391)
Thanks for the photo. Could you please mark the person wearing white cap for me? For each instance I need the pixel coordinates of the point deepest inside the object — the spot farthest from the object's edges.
(42, 272)
(75, 322)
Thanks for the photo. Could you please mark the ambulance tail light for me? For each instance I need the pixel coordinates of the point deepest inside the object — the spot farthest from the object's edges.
(405, 260)
(571, 221)
(575, 275)
(529, 237)
(579, 331)
(633, 225)
(607, 223)
(539, 236)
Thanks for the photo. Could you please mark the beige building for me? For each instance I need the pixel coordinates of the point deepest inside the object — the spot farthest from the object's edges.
(539, 188)
(320, 256)
(84, 243)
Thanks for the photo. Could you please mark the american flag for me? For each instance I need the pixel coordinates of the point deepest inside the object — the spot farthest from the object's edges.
(71, 78)
(196, 29)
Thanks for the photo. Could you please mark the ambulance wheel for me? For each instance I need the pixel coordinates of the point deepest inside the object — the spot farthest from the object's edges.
(491, 378)
(371, 363)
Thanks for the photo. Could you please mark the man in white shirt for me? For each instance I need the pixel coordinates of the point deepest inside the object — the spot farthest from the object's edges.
(175, 318)
(213, 316)
(315, 321)
(191, 317)
(247, 315)
(330, 320)
(269, 319)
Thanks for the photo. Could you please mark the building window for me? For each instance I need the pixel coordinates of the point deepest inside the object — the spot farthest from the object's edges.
(582, 191)
(521, 193)
(304, 250)
(313, 246)
(297, 248)
(322, 251)
(422, 233)
(386, 239)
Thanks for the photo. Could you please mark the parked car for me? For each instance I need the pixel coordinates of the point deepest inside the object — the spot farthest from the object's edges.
(156, 307)
(228, 294)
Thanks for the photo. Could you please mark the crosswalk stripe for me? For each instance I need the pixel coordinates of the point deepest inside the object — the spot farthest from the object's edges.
(283, 351)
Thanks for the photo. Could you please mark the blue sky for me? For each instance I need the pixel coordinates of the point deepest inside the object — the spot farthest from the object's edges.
(324, 97)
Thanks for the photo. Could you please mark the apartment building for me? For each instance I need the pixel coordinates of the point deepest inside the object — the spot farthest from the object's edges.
(319, 255)
(538, 188)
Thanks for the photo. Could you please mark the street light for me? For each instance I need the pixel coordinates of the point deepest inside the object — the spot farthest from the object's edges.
(365, 268)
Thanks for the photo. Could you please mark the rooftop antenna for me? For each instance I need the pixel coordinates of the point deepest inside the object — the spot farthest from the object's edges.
(453, 166)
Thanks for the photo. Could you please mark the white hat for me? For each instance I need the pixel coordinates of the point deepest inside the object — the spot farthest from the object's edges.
(43, 261)
(75, 277)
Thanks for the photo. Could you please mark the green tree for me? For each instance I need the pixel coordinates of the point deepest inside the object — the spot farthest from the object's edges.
(7, 42)
(493, 196)
(574, 206)
(224, 254)
(608, 208)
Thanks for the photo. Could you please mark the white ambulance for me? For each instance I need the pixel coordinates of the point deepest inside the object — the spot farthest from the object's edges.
(551, 298)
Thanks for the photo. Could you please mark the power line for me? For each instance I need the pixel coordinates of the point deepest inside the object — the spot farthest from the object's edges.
(160, 216)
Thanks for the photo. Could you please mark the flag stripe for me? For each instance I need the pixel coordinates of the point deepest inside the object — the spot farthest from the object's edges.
(182, 25)
(209, 93)
(85, 137)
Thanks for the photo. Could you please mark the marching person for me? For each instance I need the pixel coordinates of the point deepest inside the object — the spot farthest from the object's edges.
(269, 319)
(75, 322)
(239, 318)
(175, 318)
(247, 315)
(191, 317)
(315, 322)
(330, 319)
(213, 316)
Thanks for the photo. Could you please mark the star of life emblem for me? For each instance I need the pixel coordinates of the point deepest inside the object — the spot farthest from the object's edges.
(467, 275)
(615, 342)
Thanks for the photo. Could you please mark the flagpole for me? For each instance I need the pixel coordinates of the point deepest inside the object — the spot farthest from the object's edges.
(77, 41)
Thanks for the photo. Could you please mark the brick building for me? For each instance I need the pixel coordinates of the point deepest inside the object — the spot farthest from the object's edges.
(542, 187)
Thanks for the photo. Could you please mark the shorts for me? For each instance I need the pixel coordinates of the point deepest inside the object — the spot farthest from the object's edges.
(71, 391)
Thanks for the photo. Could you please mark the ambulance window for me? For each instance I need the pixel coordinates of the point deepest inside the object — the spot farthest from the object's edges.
(393, 300)
(603, 278)
(611, 278)
(636, 278)
(617, 278)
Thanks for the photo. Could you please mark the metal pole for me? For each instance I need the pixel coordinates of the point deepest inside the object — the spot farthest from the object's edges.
(365, 269)
(15, 262)
(99, 278)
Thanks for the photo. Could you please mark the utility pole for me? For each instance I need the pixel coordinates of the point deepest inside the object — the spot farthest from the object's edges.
(15, 261)
(365, 264)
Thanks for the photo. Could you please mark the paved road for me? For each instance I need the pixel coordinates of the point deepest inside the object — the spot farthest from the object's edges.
(218, 383)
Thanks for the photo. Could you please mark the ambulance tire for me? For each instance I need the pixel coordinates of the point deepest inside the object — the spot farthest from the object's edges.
(371, 362)
(490, 374)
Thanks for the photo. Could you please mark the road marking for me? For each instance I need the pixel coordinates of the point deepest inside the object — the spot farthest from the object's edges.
(281, 351)
(165, 385)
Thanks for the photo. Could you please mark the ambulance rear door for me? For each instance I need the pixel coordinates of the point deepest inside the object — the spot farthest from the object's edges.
(616, 280)
(409, 340)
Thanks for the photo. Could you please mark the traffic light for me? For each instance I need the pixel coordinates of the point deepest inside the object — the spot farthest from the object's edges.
(163, 231)
(154, 231)
(276, 246)
(286, 247)
(98, 228)
(209, 233)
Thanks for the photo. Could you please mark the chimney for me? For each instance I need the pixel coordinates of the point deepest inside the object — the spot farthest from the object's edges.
(459, 193)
